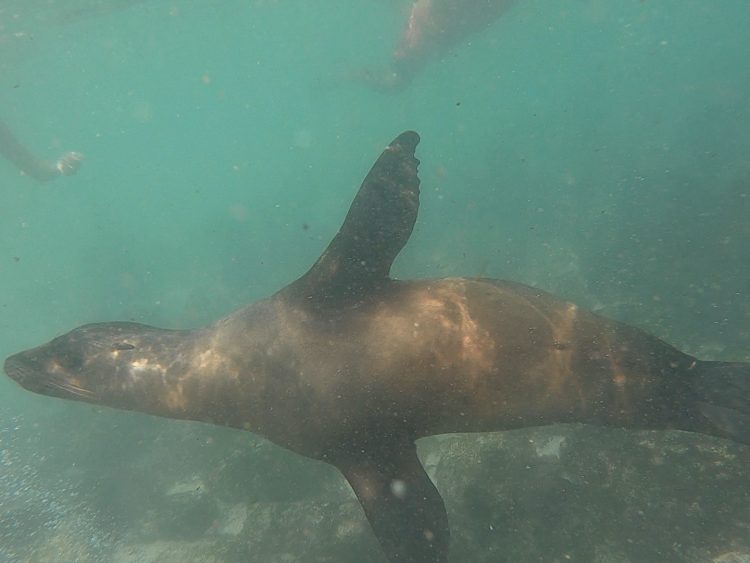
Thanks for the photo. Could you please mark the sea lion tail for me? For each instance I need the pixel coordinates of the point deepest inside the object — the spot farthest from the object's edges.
(722, 391)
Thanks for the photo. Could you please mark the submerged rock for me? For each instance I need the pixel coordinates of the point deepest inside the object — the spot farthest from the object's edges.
(553, 494)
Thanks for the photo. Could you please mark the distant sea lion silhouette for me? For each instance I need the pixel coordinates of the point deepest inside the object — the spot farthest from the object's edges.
(349, 366)
(432, 28)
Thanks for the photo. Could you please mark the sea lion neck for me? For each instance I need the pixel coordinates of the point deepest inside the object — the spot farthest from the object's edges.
(379, 223)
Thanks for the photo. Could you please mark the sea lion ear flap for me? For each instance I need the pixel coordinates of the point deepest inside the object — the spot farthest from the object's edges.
(380, 221)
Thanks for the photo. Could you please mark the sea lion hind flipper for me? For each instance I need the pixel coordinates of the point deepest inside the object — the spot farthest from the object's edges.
(722, 391)
(377, 226)
(404, 508)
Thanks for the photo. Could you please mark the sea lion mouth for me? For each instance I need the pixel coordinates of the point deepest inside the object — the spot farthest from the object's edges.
(65, 389)
(28, 375)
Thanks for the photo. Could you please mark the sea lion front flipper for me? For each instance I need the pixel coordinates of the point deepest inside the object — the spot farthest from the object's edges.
(403, 506)
(379, 222)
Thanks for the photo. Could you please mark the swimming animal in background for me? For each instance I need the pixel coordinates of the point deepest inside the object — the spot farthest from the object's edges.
(432, 28)
(350, 366)
(30, 164)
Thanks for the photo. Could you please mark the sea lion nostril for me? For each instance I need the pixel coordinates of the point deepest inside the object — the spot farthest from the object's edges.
(10, 367)
(16, 369)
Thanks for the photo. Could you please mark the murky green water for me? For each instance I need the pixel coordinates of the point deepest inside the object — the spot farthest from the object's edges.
(596, 149)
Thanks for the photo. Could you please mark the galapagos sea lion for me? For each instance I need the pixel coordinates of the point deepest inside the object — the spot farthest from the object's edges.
(432, 28)
(350, 366)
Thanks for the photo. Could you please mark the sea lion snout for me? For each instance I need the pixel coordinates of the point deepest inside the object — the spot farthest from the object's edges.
(19, 371)
(41, 370)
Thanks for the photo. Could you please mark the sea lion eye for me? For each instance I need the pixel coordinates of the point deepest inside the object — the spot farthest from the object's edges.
(122, 346)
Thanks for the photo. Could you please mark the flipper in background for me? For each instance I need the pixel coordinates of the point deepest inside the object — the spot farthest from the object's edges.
(722, 391)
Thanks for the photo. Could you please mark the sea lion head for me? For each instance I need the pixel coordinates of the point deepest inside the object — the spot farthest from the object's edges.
(118, 364)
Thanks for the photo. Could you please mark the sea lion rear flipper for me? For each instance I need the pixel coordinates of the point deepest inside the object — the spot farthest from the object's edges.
(402, 505)
(379, 222)
(722, 392)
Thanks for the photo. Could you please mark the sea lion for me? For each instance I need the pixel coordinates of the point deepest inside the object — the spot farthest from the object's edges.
(350, 366)
(432, 28)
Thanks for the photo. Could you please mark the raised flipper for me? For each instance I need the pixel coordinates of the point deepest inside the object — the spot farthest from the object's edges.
(379, 222)
(402, 505)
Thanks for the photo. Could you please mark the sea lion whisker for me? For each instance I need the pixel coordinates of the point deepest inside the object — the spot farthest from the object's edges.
(71, 388)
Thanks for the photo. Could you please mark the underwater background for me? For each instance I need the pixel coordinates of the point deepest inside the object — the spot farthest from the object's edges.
(595, 149)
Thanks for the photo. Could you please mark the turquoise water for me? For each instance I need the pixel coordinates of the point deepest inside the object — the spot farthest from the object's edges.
(596, 149)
